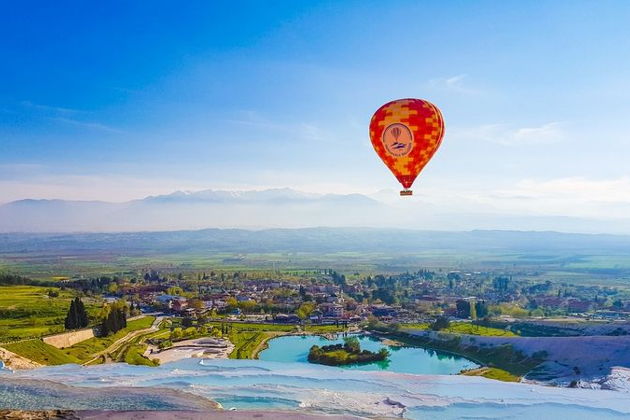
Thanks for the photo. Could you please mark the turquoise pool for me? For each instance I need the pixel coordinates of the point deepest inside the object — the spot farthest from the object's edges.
(295, 348)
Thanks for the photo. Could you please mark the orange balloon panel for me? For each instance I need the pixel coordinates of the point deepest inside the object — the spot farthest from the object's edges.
(406, 133)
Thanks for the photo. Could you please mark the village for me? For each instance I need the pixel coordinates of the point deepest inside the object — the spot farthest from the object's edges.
(327, 297)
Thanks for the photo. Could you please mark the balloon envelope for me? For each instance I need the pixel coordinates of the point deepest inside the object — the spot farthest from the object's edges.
(405, 134)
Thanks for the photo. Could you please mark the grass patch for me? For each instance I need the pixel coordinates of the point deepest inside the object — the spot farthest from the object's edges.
(493, 373)
(323, 329)
(249, 337)
(132, 351)
(465, 328)
(474, 329)
(29, 311)
(40, 352)
(86, 350)
(133, 356)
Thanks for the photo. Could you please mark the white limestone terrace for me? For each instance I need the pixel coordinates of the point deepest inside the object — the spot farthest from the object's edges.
(208, 348)
(590, 361)
(245, 385)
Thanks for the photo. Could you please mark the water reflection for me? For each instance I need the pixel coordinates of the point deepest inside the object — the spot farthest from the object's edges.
(403, 358)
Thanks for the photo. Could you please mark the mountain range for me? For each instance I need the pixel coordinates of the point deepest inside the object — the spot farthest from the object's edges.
(274, 208)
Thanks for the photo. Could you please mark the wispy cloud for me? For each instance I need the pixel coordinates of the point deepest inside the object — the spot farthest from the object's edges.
(51, 109)
(578, 188)
(551, 132)
(301, 130)
(87, 124)
(453, 84)
(68, 116)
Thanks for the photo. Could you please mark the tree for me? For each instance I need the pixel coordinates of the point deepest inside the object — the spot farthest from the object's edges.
(176, 334)
(440, 323)
(232, 303)
(463, 308)
(175, 290)
(305, 310)
(84, 320)
(501, 283)
(247, 306)
(187, 322)
(115, 320)
(72, 320)
(77, 316)
(352, 345)
(196, 304)
(481, 308)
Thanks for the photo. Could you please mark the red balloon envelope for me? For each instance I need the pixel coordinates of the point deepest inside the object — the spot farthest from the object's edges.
(406, 133)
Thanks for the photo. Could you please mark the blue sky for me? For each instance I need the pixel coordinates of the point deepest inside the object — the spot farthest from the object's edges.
(119, 100)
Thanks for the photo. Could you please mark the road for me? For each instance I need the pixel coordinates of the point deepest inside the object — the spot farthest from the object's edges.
(121, 341)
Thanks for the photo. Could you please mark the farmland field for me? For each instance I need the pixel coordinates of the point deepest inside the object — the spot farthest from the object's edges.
(30, 312)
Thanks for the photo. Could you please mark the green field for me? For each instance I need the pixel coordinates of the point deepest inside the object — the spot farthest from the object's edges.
(86, 350)
(493, 373)
(28, 311)
(132, 351)
(40, 352)
(465, 328)
(249, 338)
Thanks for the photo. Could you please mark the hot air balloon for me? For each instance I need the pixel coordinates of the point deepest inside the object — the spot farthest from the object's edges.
(406, 133)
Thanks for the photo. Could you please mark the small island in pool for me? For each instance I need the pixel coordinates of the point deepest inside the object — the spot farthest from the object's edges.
(345, 354)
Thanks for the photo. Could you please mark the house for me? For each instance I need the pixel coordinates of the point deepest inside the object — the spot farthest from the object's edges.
(384, 312)
(332, 310)
(286, 319)
(578, 306)
(316, 316)
(179, 304)
(166, 300)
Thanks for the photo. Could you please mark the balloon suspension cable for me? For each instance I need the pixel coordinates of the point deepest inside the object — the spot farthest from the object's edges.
(406, 192)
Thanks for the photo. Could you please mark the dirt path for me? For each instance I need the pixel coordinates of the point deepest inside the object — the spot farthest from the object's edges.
(15, 361)
(121, 341)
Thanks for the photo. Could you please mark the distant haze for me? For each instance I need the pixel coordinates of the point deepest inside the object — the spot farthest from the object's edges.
(276, 208)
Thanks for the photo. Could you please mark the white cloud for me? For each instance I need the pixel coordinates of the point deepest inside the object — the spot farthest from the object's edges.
(608, 190)
(300, 131)
(570, 196)
(552, 132)
(452, 84)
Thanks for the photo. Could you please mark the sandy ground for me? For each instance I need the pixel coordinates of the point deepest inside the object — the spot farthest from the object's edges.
(207, 348)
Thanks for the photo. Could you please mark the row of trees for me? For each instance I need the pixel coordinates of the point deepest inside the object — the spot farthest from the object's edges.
(77, 316)
(113, 317)
(466, 309)
(115, 321)
(7, 279)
